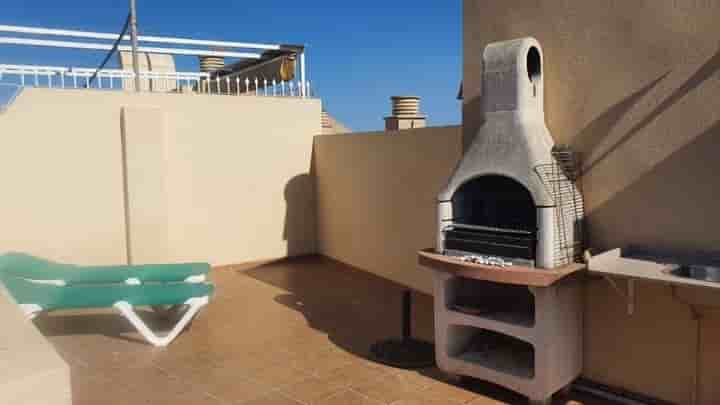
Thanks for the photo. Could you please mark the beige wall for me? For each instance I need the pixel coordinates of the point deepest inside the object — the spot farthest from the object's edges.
(32, 373)
(212, 178)
(377, 198)
(634, 86)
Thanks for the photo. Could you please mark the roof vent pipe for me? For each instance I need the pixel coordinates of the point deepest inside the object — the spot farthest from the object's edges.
(405, 114)
(211, 63)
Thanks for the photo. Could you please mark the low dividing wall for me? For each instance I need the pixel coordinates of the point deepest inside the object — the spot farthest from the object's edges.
(98, 176)
(32, 373)
(376, 197)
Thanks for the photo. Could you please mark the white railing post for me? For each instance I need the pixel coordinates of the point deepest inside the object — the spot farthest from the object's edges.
(292, 89)
(74, 75)
(49, 73)
(307, 89)
(237, 85)
(302, 73)
(37, 80)
(257, 87)
(217, 84)
(265, 87)
(282, 87)
(62, 80)
(227, 82)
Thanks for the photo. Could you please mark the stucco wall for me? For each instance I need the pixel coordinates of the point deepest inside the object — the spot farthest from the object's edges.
(212, 178)
(635, 87)
(32, 372)
(377, 196)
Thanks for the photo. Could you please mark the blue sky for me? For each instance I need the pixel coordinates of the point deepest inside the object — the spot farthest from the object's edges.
(359, 53)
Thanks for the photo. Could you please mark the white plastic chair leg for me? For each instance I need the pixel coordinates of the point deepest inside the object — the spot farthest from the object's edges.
(31, 310)
(194, 305)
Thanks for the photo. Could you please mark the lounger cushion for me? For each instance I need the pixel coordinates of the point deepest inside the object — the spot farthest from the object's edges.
(30, 267)
(51, 297)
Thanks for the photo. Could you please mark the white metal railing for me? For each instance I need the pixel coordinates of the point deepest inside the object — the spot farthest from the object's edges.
(174, 46)
(161, 82)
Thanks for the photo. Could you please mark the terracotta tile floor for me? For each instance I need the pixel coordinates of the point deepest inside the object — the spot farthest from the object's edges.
(286, 332)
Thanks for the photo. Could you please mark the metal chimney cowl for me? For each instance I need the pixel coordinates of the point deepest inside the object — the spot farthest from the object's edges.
(514, 139)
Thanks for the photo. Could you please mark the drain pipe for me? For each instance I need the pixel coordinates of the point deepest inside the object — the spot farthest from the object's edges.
(578, 386)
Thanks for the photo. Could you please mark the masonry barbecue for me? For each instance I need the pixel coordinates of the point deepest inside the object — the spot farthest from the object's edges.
(512, 194)
(509, 235)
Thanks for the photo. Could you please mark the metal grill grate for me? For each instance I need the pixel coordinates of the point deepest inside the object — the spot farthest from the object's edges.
(560, 179)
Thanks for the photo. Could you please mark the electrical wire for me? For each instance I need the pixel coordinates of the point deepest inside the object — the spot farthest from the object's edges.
(110, 52)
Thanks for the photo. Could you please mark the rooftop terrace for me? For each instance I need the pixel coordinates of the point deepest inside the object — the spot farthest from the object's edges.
(293, 331)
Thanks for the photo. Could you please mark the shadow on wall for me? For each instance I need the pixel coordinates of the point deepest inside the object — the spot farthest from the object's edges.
(299, 227)
(591, 136)
(670, 206)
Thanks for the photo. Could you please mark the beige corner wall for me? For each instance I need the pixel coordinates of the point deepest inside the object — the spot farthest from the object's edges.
(635, 87)
(212, 178)
(377, 198)
(32, 372)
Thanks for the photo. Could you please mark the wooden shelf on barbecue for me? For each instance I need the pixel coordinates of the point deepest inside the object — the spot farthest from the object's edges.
(518, 275)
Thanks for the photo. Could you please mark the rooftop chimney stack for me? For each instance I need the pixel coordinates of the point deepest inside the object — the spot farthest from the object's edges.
(405, 114)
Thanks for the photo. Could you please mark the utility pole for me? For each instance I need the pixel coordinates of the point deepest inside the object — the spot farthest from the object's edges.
(134, 41)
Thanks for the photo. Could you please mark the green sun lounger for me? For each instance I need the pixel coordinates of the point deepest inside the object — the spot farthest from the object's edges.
(40, 285)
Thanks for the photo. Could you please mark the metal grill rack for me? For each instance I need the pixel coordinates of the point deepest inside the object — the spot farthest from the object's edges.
(560, 180)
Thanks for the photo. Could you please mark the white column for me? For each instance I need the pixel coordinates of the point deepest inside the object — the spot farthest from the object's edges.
(545, 255)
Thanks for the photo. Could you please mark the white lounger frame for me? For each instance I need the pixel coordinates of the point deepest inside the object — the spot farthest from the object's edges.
(192, 305)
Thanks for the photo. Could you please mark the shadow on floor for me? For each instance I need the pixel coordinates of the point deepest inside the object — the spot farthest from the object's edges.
(355, 309)
(106, 323)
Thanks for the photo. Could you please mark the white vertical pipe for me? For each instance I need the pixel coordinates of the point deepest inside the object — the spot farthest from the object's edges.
(302, 73)
(134, 43)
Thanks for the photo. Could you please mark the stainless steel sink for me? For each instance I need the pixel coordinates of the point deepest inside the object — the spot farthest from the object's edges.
(696, 272)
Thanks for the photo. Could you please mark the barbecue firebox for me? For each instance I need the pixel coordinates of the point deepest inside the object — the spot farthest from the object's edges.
(513, 195)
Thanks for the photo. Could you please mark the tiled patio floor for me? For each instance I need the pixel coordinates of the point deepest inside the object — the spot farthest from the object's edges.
(287, 332)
